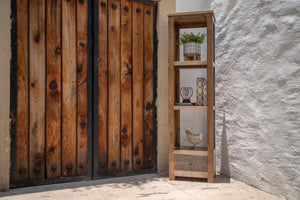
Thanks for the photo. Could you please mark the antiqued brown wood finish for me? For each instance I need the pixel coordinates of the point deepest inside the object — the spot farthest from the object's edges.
(53, 87)
(102, 88)
(22, 91)
(37, 68)
(69, 88)
(82, 78)
(126, 85)
(114, 86)
(148, 86)
(137, 85)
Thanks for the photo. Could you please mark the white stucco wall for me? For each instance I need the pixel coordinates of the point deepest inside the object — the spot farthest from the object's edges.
(258, 93)
(5, 53)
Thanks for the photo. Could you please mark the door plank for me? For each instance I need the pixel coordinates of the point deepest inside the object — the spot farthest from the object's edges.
(82, 135)
(114, 87)
(37, 88)
(53, 105)
(22, 91)
(69, 88)
(102, 84)
(126, 93)
(137, 73)
(148, 86)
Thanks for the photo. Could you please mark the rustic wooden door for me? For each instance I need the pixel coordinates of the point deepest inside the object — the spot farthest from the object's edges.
(124, 80)
(82, 92)
(50, 137)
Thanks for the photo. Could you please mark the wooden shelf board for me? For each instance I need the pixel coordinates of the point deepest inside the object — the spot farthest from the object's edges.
(190, 107)
(191, 13)
(190, 152)
(190, 64)
(191, 174)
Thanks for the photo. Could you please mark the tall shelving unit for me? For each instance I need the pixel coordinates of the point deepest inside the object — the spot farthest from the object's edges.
(184, 162)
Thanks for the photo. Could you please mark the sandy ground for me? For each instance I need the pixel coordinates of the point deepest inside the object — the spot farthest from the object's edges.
(149, 186)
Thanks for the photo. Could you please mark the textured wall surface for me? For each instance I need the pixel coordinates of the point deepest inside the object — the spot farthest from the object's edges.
(164, 7)
(258, 93)
(4, 93)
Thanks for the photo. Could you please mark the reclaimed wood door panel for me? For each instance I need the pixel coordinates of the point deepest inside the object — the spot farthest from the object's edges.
(125, 90)
(53, 87)
(52, 90)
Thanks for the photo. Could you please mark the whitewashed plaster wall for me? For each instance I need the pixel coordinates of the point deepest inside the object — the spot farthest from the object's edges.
(5, 53)
(258, 93)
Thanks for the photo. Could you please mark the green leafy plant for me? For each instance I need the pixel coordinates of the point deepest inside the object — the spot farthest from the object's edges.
(191, 37)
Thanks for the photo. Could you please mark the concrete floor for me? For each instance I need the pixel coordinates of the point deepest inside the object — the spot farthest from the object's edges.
(149, 186)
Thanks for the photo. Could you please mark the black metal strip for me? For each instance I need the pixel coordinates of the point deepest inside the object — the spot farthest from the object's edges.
(36, 182)
(155, 43)
(13, 90)
(129, 173)
(90, 88)
(95, 88)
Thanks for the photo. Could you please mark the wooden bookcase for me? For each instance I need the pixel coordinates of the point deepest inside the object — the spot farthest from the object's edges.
(184, 162)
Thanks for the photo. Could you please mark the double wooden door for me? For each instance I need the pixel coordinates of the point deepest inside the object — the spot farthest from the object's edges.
(82, 102)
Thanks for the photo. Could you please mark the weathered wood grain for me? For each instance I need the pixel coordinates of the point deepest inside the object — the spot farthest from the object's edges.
(22, 91)
(37, 90)
(114, 86)
(53, 87)
(190, 163)
(102, 84)
(137, 74)
(82, 77)
(69, 88)
(126, 84)
(148, 86)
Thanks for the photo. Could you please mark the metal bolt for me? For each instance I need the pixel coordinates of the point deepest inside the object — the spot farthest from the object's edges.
(57, 51)
(22, 170)
(126, 8)
(37, 169)
(126, 162)
(53, 167)
(81, 1)
(138, 161)
(98, 59)
(113, 163)
(138, 10)
(114, 6)
(148, 12)
(103, 3)
(69, 167)
(81, 165)
(103, 164)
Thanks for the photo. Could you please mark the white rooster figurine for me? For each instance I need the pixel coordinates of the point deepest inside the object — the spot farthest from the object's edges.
(193, 138)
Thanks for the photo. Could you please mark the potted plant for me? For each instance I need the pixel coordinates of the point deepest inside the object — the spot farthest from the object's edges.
(192, 44)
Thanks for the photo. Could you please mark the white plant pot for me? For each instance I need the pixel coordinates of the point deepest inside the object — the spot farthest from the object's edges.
(192, 48)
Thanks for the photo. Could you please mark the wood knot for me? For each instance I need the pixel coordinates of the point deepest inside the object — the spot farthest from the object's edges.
(82, 44)
(53, 85)
(149, 106)
(57, 50)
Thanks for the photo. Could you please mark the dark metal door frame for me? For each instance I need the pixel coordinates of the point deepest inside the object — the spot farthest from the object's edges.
(92, 166)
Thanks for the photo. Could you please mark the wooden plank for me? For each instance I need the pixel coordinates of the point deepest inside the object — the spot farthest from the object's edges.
(190, 152)
(196, 64)
(126, 93)
(177, 85)
(82, 77)
(191, 174)
(22, 91)
(102, 84)
(190, 163)
(53, 106)
(190, 107)
(137, 100)
(69, 88)
(210, 103)
(148, 86)
(171, 82)
(37, 89)
(114, 86)
(193, 13)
